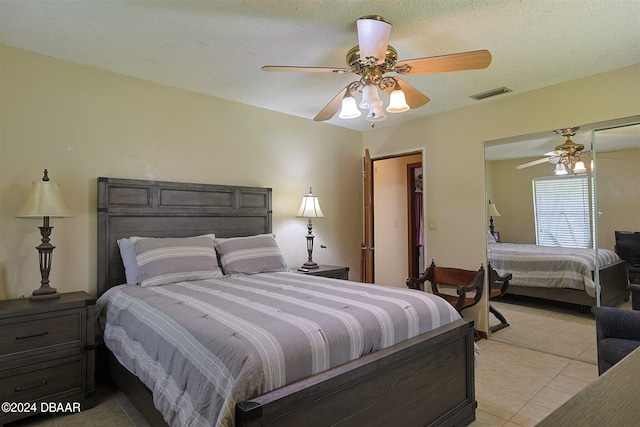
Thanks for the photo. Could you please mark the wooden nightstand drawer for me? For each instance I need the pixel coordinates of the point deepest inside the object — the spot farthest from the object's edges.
(47, 352)
(35, 332)
(43, 381)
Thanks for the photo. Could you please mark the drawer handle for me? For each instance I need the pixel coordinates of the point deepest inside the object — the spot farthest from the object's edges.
(29, 387)
(41, 334)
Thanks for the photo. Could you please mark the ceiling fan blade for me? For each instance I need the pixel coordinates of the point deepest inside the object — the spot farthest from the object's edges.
(413, 96)
(373, 37)
(533, 163)
(554, 153)
(438, 64)
(306, 69)
(332, 107)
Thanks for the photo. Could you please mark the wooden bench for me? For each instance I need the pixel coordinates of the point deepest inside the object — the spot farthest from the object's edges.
(468, 284)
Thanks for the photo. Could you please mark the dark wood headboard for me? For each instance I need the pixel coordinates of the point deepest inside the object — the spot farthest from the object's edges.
(129, 207)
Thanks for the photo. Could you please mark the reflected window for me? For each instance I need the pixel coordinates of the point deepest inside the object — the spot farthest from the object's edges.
(562, 209)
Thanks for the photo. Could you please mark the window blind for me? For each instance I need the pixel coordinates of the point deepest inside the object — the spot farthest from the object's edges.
(563, 211)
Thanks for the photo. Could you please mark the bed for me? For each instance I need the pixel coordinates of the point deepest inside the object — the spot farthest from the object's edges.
(427, 379)
(561, 274)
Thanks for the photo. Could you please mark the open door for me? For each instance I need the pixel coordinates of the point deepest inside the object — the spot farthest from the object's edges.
(367, 244)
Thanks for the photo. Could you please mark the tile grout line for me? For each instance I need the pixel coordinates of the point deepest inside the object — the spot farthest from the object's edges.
(126, 413)
(528, 347)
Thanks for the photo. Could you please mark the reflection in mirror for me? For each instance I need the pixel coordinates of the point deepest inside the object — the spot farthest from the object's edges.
(547, 229)
(617, 179)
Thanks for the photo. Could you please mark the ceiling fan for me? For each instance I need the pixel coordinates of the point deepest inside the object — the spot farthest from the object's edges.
(566, 156)
(372, 59)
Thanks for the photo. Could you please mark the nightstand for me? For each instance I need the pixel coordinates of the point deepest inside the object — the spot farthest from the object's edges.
(47, 355)
(332, 271)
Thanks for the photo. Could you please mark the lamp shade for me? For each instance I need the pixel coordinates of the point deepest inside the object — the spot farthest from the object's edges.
(492, 210)
(579, 167)
(44, 199)
(376, 114)
(310, 207)
(560, 169)
(349, 108)
(370, 98)
(397, 102)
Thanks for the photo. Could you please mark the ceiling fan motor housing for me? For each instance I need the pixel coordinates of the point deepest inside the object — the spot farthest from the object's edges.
(358, 65)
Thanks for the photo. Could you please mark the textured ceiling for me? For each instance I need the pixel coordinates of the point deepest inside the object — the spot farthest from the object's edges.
(218, 47)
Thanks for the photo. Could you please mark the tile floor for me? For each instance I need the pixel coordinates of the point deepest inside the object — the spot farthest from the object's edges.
(524, 372)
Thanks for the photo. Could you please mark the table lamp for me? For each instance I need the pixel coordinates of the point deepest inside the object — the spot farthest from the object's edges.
(45, 200)
(310, 208)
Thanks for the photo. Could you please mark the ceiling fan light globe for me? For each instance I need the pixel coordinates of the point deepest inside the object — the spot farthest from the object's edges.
(349, 108)
(370, 97)
(397, 102)
(560, 169)
(579, 167)
(376, 114)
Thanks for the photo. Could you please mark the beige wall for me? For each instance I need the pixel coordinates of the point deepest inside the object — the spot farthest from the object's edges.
(511, 191)
(618, 194)
(82, 123)
(391, 219)
(454, 153)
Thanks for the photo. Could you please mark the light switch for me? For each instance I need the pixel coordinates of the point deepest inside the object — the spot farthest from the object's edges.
(432, 224)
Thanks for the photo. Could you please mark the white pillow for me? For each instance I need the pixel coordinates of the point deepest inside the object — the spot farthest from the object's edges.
(490, 238)
(128, 255)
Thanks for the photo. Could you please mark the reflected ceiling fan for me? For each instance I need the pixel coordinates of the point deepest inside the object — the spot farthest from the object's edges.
(566, 156)
(372, 59)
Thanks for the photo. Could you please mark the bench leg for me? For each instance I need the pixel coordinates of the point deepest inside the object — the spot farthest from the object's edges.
(503, 322)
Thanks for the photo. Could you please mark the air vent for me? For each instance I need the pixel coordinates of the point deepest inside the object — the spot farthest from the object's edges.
(490, 93)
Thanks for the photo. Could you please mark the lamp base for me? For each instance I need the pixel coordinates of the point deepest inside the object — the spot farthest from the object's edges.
(310, 265)
(44, 292)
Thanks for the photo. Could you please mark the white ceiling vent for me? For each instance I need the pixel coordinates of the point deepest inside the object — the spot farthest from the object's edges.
(490, 93)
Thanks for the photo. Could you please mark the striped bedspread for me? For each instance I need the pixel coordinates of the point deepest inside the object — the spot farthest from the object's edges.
(203, 346)
(550, 267)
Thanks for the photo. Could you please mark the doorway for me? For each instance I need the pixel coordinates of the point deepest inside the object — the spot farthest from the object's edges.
(415, 215)
(397, 218)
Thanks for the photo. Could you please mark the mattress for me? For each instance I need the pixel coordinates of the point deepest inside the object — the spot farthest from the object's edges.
(550, 267)
(203, 346)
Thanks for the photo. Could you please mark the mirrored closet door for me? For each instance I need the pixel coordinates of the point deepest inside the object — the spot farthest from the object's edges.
(550, 190)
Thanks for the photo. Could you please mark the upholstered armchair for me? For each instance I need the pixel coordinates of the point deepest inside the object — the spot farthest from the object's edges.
(617, 331)
(635, 296)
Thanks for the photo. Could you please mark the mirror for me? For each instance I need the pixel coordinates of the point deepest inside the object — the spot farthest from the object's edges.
(608, 197)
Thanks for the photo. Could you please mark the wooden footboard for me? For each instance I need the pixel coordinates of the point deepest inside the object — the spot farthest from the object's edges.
(613, 282)
(428, 380)
(613, 287)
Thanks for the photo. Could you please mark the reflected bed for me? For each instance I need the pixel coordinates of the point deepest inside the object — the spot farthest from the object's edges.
(560, 274)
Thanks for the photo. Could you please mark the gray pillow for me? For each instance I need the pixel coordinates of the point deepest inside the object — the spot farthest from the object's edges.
(169, 260)
(250, 255)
